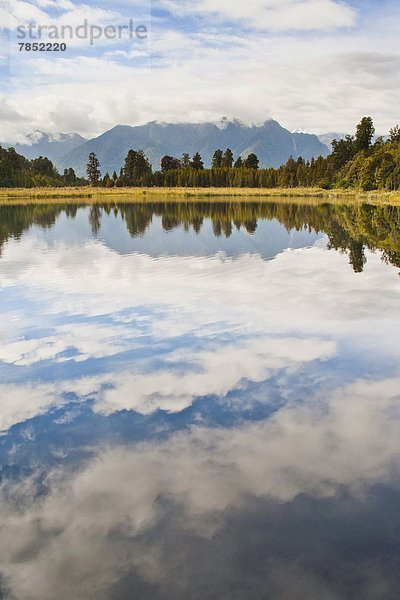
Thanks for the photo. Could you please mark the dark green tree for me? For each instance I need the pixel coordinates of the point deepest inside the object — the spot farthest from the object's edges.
(197, 162)
(136, 169)
(186, 162)
(395, 134)
(93, 168)
(343, 151)
(107, 181)
(238, 163)
(43, 166)
(69, 176)
(217, 160)
(14, 169)
(169, 163)
(364, 134)
(227, 160)
(251, 161)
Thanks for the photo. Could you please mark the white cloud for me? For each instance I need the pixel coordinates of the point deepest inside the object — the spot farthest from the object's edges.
(24, 13)
(281, 15)
(292, 83)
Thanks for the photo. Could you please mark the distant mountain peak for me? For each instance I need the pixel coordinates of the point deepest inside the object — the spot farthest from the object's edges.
(40, 136)
(302, 131)
(224, 123)
(327, 138)
(35, 137)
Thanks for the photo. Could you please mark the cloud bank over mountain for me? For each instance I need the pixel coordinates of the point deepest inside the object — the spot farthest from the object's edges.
(317, 64)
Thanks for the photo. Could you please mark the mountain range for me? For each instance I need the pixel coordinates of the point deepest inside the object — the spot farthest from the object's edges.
(272, 143)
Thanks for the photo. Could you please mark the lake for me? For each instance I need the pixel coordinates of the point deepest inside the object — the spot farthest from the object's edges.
(200, 401)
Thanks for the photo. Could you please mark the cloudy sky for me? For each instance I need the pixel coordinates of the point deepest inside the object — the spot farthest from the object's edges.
(317, 65)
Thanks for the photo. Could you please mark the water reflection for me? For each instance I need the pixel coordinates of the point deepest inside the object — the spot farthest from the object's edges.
(350, 228)
(183, 418)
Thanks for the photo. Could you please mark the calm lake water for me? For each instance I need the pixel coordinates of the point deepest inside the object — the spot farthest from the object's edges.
(200, 401)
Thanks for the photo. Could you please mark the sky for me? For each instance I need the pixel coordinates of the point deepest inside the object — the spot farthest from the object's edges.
(314, 65)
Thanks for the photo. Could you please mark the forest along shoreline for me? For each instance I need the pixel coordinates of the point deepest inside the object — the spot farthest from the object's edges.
(358, 165)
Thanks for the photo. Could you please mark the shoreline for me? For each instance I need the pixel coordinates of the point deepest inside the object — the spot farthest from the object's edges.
(151, 194)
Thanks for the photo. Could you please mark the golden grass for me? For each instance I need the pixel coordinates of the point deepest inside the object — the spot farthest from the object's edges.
(97, 194)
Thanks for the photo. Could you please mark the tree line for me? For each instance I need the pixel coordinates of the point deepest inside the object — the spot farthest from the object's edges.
(356, 162)
(18, 171)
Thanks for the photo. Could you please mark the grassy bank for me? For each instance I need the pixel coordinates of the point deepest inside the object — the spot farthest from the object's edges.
(93, 194)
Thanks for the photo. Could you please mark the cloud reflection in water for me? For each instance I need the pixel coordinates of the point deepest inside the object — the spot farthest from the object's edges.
(211, 426)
